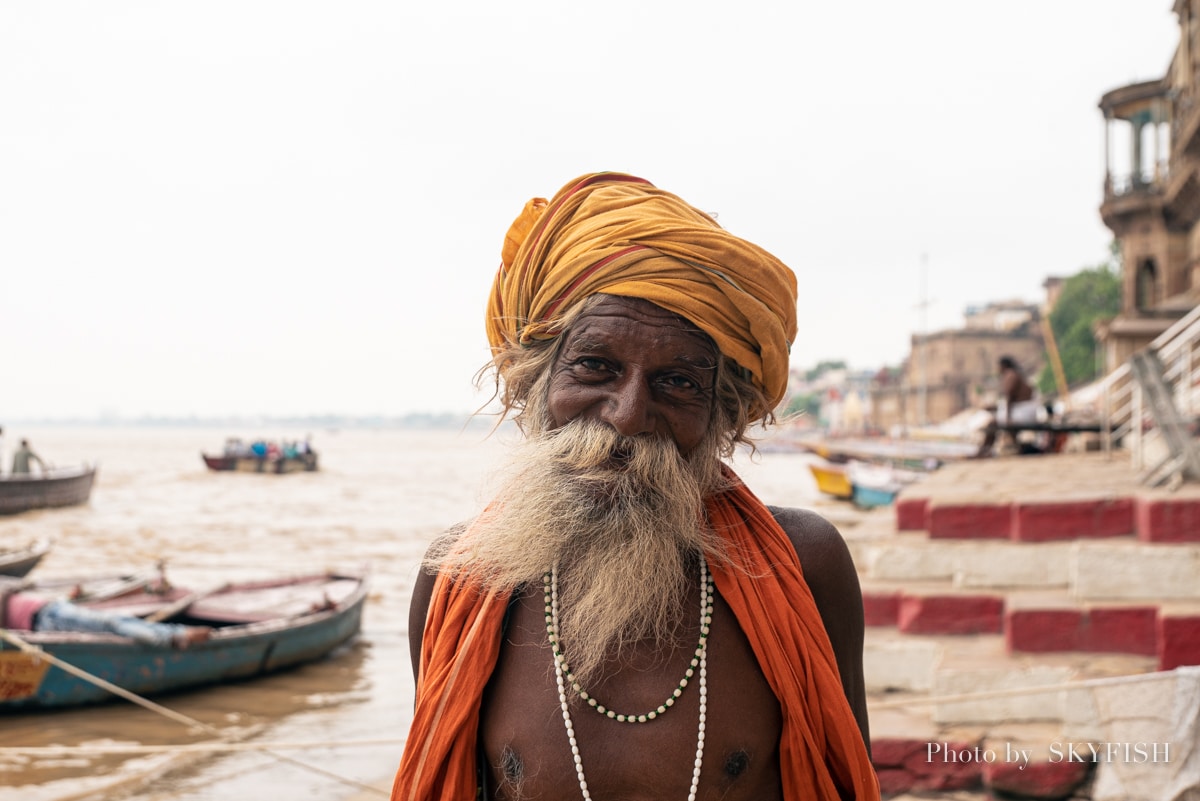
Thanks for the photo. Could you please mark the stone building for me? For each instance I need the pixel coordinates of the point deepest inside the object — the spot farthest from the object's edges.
(1152, 194)
(950, 371)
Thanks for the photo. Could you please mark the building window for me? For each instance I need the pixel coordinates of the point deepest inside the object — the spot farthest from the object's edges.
(1146, 290)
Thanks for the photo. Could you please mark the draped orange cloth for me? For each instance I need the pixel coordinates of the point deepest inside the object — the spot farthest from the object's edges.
(618, 234)
(821, 747)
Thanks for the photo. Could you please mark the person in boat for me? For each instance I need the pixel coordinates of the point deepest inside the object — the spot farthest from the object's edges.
(1016, 406)
(626, 618)
(24, 458)
(28, 610)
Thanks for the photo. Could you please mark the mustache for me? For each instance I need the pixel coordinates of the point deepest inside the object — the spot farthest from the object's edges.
(583, 447)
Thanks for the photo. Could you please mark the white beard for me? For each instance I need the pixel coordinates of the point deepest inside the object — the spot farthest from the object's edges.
(623, 520)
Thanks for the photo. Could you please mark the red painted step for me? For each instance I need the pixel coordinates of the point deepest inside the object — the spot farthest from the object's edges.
(1178, 639)
(950, 614)
(1045, 521)
(905, 765)
(881, 607)
(969, 520)
(1167, 519)
(1122, 630)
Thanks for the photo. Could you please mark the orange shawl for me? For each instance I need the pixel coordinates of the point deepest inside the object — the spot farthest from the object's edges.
(821, 747)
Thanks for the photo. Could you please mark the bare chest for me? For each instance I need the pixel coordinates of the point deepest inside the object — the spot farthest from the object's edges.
(524, 737)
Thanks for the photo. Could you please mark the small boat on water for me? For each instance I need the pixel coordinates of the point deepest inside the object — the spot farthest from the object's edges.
(20, 560)
(832, 479)
(258, 627)
(877, 484)
(261, 456)
(57, 486)
(254, 464)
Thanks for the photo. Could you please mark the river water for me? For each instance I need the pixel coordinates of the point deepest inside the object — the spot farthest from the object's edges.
(329, 730)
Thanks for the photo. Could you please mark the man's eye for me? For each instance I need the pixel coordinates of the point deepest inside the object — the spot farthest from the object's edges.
(591, 365)
(680, 383)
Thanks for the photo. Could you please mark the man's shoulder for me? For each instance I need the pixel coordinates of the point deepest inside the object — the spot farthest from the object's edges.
(804, 526)
(441, 545)
(819, 545)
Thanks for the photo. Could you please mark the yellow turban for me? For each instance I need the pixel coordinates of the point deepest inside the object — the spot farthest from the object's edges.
(620, 235)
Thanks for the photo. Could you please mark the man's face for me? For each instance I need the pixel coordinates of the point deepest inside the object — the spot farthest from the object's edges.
(638, 368)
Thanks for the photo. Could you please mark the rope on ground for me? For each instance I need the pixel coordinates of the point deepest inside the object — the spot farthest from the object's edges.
(21, 644)
(1010, 692)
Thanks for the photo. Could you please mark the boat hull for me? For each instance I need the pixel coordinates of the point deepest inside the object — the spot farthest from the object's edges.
(65, 487)
(832, 480)
(246, 643)
(244, 464)
(19, 561)
(868, 497)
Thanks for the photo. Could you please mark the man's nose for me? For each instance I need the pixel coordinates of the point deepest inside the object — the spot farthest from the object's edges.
(629, 408)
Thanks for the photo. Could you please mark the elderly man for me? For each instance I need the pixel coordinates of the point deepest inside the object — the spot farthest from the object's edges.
(626, 619)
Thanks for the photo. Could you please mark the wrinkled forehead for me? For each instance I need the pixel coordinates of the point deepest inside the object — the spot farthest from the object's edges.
(635, 317)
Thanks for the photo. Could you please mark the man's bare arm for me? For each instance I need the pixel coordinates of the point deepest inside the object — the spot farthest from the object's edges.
(418, 608)
(831, 576)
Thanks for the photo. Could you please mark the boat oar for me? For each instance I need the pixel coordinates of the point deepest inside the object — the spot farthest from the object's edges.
(174, 608)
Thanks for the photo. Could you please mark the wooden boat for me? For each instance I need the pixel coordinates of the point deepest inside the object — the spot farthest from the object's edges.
(866, 496)
(875, 485)
(19, 561)
(66, 486)
(909, 454)
(258, 627)
(263, 457)
(254, 464)
(832, 480)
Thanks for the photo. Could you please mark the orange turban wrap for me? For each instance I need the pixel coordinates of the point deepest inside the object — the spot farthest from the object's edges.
(620, 235)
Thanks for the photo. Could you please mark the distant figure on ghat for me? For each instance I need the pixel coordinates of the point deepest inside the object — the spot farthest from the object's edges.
(626, 619)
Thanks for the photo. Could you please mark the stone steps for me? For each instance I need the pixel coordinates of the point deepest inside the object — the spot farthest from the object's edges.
(952, 665)
(1024, 604)
(1119, 738)
(1039, 621)
(1150, 516)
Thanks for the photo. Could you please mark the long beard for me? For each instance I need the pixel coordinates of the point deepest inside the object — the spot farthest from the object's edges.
(622, 519)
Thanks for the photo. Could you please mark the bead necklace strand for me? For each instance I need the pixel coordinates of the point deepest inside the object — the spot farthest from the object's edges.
(549, 581)
(699, 662)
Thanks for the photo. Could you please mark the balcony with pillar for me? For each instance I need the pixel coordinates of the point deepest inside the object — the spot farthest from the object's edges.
(1137, 154)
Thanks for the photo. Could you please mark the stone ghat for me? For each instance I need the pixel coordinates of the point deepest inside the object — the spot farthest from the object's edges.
(1033, 631)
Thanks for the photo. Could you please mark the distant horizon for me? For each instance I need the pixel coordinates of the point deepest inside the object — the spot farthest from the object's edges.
(426, 419)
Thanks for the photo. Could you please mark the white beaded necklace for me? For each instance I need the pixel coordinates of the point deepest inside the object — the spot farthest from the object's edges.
(699, 662)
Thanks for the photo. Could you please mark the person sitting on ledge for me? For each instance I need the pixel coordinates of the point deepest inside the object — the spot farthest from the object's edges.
(1017, 405)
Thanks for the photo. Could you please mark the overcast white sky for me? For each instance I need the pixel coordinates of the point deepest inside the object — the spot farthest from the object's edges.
(293, 207)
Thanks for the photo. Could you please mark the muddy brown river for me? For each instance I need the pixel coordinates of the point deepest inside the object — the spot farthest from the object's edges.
(333, 729)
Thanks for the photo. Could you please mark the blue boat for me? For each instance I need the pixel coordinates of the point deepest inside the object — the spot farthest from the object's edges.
(875, 485)
(868, 497)
(257, 628)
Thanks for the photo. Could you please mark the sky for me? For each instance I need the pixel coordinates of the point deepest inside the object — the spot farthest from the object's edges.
(292, 207)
